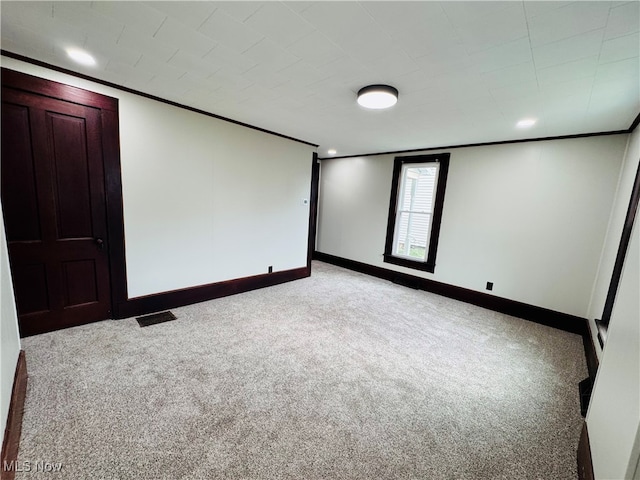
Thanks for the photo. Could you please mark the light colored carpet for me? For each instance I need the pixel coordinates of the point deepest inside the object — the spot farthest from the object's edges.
(338, 376)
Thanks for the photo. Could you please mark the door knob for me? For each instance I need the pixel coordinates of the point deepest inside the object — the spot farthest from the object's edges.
(100, 243)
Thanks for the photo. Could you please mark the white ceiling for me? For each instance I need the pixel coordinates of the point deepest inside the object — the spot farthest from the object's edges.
(466, 71)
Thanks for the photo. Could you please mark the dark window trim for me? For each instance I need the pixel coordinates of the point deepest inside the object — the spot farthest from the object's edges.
(430, 264)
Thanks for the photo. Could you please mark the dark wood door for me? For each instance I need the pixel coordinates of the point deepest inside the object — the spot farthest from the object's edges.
(53, 198)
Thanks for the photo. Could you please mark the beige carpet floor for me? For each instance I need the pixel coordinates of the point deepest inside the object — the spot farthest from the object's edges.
(337, 376)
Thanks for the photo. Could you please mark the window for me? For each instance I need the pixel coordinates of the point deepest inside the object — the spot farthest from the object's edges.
(415, 210)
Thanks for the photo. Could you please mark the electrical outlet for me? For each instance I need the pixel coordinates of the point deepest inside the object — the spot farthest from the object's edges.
(489, 285)
(270, 268)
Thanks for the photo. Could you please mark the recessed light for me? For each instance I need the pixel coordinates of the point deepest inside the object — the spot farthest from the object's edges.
(81, 56)
(332, 151)
(526, 123)
(378, 96)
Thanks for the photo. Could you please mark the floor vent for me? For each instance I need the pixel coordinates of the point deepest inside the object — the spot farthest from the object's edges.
(155, 318)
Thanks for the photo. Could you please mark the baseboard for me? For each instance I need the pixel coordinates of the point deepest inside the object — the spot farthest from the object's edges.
(543, 316)
(585, 465)
(202, 293)
(585, 388)
(11, 441)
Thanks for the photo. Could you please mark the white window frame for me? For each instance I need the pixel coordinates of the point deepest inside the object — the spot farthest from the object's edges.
(402, 194)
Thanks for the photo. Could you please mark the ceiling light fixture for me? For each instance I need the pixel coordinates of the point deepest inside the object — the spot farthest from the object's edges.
(526, 123)
(81, 57)
(377, 96)
(332, 151)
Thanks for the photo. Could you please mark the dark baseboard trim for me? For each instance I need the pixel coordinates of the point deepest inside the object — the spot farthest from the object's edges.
(202, 293)
(585, 465)
(12, 431)
(590, 353)
(543, 316)
(585, 388)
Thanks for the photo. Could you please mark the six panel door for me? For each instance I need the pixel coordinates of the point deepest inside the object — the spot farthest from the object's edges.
(53, 198)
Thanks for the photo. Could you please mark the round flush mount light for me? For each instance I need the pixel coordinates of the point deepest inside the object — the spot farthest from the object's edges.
(378, 96)
(526, 123)
(80, 56)
(332, 151)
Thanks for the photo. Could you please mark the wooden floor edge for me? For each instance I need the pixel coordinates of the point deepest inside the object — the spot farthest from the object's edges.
(13, 429)
(585, 464)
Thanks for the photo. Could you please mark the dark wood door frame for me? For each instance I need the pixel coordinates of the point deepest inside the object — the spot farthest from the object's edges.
(625, 238)
(313, 208)
(108, 107)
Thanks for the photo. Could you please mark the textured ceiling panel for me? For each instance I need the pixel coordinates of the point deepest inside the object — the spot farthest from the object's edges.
(466, 71)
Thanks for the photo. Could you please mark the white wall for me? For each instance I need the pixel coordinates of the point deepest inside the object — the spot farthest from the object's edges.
(613, 419)
(614, 232)
(204, 200)
(530, 217)
(9, 337)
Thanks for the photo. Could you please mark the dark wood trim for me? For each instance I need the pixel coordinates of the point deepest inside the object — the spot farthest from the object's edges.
(393, 201)
(202, 293)
(145, 95)
(49, 88)
(634, 124)
(622, 249)
(313, 208)
(437, 211)
(543, 316)
(603, 329)
(109, 108)
(429, 264)
(413, 264)
(590, 353)
(122, 306)
(482, 144)
(585, 464)
(11, 441)
(66, 71)
(115, 209)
